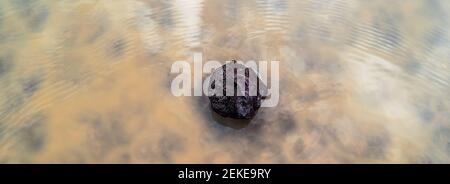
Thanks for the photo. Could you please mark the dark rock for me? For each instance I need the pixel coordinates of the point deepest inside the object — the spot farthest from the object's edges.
(242, 104)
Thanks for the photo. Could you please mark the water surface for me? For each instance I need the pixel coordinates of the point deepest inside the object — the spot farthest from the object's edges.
(89, 81)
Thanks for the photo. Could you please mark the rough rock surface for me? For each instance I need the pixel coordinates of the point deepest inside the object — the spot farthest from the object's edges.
(246, 99)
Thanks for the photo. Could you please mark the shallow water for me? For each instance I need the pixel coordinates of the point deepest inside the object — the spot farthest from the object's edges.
(89, 81)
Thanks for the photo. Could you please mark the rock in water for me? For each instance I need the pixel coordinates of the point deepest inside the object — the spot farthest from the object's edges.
(244, 101)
